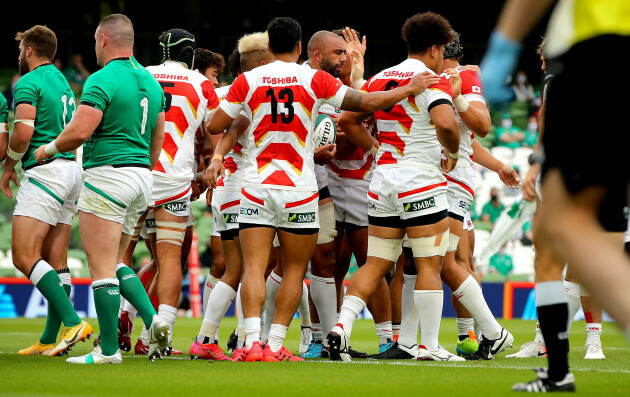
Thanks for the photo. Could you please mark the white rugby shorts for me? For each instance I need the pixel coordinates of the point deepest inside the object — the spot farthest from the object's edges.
(279, 208)
(351, 203)
(406, 193)
(49, 192)
(461, 190)
(119, 195)
(171, 195)
(468, 225)
(225, 208)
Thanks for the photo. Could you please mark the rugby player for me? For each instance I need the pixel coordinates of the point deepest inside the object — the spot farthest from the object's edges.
(576, 295)
(190, 98)
(573, 190)
(128, 112)
(281, 190)
(225, 201)
(46, 200)
(4, 127)
(408, 189)
(327, 51)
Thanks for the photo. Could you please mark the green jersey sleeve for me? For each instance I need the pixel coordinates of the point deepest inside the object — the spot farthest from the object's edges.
(4, 110)
(26, 92)
(96, 93)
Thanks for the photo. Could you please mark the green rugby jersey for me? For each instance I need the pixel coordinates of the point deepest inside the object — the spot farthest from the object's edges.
(131, 100)
(4, 109)
(48, 91)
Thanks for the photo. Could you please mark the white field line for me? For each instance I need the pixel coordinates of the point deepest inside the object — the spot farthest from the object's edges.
(405, 363)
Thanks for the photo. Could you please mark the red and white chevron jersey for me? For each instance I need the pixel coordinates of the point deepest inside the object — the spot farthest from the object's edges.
(190, 98)
(235, 160)
(355, 168)
(471, 90)
(281, 100)
(405, 130)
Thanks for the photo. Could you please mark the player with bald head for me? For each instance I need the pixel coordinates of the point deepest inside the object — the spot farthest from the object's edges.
(327, 50)
(125, 105)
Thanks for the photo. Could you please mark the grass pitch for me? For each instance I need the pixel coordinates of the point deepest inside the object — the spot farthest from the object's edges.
(178, 375)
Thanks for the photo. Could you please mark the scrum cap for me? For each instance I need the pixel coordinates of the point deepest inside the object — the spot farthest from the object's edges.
(454, 49)
(178, 45)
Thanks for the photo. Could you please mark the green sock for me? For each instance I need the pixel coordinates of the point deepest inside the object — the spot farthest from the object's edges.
(132, 289)
(107, 302)
(53, 321)
(47, 281)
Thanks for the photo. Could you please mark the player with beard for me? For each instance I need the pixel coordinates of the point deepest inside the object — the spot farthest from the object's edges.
(46, 200)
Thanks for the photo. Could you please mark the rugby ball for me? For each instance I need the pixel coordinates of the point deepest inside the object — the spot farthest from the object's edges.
(325, 131)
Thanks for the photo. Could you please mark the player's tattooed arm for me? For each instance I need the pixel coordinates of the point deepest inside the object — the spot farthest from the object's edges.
(352, 100)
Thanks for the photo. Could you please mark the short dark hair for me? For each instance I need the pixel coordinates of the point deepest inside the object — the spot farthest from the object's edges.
(205, 59)
(284, 34)
(424, 30)
(234, 62)
(41, 39)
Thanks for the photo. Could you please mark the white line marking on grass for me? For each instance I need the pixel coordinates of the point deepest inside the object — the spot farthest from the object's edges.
(455, 364)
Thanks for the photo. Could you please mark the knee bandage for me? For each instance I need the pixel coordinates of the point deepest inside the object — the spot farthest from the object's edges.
(385, 248)
(327, 231)
(453, 240)
(170, 232)
(424, 247)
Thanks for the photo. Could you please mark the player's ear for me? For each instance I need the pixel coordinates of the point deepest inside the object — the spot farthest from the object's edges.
(299, 49)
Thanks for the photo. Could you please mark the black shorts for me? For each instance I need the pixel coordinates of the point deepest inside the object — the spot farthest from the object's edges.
(586, 132)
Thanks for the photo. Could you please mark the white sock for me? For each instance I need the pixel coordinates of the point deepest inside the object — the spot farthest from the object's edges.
(272, 283)
(384, 332)
(131, 311)
(470, 296)
(168, 314)
(303, 309)
(66, 278)
(410, 316)
(539, 336)
(218, 302)
(573, 294)
(350, 309)
(211, 281)
(429, 304)
(240, 328)
(593, 333)
(277, 333)
(324, 295)
(240, 331)
(395, 329)
(409, 284)
(464, 325)
(40, 270)
(408, 335)
(144, 336)
(316, 331)
(252, 331)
